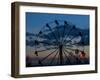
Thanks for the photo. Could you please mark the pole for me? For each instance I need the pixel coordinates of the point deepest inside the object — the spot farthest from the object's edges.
(61, 54)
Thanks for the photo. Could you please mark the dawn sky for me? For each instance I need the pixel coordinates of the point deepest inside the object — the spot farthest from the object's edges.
(35, 21)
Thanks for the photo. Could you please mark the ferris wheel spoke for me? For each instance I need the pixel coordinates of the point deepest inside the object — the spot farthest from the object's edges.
(65, 24)
(75, 44)
(47, 49)
(65, 54)
(58, 32)
(67, 35)
(70, 49)
(52, 31)
(67, 51)
(54, 57)
(63, 33)
(67, 59)
(37, 42)
(72, 44)
(74, 37)
(42, 34)
(57, 23)
(58, 59)
(48, 43)
(48, 55)
(73, 49)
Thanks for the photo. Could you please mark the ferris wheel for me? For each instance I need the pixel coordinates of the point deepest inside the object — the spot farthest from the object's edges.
(58, 43)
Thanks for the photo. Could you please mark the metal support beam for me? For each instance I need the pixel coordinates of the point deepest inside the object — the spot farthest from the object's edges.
(61, 54)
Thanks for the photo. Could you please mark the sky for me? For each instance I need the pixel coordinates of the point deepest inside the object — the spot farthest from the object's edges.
(35, 21)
